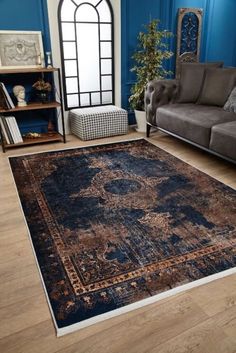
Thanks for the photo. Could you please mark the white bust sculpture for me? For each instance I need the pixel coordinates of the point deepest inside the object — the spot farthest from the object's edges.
(19, 92)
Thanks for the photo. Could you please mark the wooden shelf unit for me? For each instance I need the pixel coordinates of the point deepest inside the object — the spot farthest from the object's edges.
(44, 138)
(28, 71)
(33, 106)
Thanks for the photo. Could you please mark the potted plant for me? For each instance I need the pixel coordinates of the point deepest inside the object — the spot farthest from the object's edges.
(151, 52)
(43, 90)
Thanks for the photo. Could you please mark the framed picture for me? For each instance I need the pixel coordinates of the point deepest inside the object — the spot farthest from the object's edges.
(21, 49)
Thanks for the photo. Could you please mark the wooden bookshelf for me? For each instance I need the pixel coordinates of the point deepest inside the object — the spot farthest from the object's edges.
(27, 71)
(44, 138)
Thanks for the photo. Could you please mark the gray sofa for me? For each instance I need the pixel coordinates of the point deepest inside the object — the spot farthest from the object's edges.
(193, 108)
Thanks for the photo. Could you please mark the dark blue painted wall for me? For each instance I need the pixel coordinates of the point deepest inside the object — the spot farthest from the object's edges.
(218, 31)
(133, 15)
(221, 32)
(26, 15)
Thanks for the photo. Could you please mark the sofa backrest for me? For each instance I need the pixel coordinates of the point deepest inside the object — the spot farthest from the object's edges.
(191, 80)
(217, 86)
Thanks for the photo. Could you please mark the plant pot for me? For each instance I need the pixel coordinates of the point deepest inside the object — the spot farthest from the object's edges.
(43, 96)
(140, 117)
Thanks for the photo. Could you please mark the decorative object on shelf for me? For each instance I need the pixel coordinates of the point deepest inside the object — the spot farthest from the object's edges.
(19, 93)
(51, 128)
(49, 60)
(188, 36)
(21, 49)
(39, 60)
(43, 90)
(151, 52)
(32, 135)
(5, 99)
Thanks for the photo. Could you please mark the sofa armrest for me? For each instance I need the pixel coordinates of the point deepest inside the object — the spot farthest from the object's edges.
(157, 93)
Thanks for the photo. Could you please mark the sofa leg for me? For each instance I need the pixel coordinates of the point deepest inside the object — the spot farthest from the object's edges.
(148, 129)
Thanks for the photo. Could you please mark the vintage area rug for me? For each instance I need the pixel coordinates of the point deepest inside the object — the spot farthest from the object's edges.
(117, 226)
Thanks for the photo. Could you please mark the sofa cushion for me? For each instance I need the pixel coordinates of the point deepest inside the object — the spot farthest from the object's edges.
(191, 80)
(223, 139)
(191, 121)
(217, 86)
(230, 105)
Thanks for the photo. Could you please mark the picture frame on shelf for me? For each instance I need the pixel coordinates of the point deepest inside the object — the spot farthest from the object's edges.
(21, 49)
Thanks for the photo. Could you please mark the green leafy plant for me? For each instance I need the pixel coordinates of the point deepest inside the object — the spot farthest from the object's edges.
(151, 52)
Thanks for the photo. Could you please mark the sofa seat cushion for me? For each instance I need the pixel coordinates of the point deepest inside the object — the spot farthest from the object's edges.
(223, 139)
(191, 121)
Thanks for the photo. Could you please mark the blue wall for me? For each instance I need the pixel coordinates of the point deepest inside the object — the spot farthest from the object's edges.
(133, 15)
(26, 15)
(218, 32)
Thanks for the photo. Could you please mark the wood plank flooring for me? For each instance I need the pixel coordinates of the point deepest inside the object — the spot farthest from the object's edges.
(201, 320)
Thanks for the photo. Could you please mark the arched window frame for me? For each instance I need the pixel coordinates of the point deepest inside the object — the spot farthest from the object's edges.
(60, 22)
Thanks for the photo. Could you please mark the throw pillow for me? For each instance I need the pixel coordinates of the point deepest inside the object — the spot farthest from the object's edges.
(230, 105)
(217, 86)
(191, 80)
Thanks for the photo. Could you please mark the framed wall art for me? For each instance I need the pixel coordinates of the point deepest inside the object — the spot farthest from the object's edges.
(188, 36)
(21, 49)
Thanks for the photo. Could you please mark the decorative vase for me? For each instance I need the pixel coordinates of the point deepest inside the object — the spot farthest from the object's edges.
(140, 117)
(51, 129)
(43, 96)
(49, 60)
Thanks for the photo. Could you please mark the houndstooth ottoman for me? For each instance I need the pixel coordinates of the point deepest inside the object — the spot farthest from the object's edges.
(97, 122)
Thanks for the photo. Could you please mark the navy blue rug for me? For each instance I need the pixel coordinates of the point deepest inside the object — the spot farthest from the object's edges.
(118, 226)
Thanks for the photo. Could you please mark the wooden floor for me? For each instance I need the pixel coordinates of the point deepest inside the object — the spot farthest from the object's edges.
(202, 320)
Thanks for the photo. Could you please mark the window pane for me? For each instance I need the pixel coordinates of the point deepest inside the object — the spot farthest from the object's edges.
(96, 98)
(106, 66)
(104, 12)
(88, 49)
(105, 31)
(68, 10)
(70, 68)
(86, 13)
(68, 31)
(86, 37)
(72, 100)
(72, 85)
(106, 97)
(106, 83)
(106, 50)
(84, 99)
(93, 2)
(69, 50)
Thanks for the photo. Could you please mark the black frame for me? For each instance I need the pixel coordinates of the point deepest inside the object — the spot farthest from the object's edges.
(77, 58)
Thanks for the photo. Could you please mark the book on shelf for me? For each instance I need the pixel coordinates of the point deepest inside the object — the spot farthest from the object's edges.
(10, 130)
(14, 129)
(5, 133)
(3, 102)
(5, 99)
